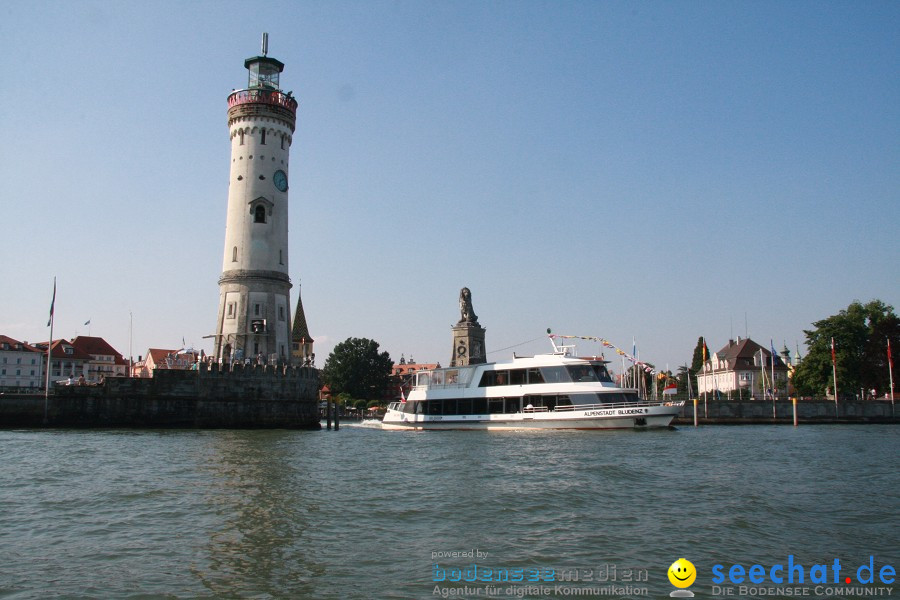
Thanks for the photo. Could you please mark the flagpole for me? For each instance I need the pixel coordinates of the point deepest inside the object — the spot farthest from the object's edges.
(49, 348)
(130, 343)
(834, 374)
(772, 369)
(705, 382)
(891, 373)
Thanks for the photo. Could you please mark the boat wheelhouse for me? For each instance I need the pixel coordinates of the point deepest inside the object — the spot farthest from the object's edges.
(554, 391)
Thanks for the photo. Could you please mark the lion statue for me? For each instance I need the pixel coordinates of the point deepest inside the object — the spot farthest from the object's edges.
(466, 312)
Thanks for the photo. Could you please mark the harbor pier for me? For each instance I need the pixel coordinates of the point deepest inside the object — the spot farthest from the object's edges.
(240, 397)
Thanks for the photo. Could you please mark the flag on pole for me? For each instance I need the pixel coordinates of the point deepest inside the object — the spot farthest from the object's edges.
(671, 388)
(88, 322)
(890, 358)
(833, 358)
(52, 304)
(772, 347)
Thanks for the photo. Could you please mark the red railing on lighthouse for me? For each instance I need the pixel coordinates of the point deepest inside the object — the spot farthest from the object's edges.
(262, 96)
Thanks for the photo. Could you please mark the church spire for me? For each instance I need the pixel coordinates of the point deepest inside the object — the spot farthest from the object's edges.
(301, 340)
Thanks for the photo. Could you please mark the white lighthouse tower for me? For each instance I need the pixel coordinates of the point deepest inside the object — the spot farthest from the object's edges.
(254, 289)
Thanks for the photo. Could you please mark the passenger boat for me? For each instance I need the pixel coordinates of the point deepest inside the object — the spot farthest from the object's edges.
(547, 391)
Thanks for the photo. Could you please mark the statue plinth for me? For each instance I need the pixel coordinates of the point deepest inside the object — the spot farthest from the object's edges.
(468, 344)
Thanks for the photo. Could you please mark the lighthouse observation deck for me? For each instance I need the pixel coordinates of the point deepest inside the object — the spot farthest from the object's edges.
(262, 102)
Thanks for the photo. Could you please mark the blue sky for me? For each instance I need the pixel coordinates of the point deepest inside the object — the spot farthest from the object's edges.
(648, 170)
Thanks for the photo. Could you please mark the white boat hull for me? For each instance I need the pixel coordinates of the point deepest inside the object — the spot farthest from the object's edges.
(639, 417)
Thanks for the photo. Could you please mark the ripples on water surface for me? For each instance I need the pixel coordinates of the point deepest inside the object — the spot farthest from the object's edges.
(357, 513)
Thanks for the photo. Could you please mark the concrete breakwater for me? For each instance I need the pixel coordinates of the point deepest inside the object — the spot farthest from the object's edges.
(244, 397)
(738, 412)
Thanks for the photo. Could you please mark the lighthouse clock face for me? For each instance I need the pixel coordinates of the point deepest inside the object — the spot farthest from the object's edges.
(280, 180)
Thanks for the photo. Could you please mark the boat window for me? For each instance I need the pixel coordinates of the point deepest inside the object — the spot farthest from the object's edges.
(410, 406)
(582, 373)
(534, 401)
(602, 373)
(464, 406)
(488, 379)
(620, 397)
(423, 378)
(451, 377)
(495, 406)
(604, 398)
(513, 405)
(534, 376)
(518, 377)
(479, 406)
(589, 399)
(434, 407)
(563, 400)
(492, 378)
(449, 407)
(437, 378)
(555, 374)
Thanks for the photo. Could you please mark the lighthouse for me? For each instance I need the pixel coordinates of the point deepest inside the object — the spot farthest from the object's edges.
(254, 290)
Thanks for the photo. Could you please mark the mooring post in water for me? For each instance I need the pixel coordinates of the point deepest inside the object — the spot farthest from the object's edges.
(695, 412)
(328, 414)
(794, 402)
(337, 417)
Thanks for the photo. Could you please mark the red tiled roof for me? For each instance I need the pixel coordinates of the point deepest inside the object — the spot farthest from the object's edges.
(14, 344)
(159, 354)
(98, 346)
(59, 352)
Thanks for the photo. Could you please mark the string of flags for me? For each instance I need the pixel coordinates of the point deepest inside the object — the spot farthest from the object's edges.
(611, 346)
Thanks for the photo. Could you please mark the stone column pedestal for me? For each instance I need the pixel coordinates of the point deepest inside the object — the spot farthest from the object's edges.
(468, 345)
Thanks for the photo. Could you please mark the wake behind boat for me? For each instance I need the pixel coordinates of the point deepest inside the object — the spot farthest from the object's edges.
(546, 391)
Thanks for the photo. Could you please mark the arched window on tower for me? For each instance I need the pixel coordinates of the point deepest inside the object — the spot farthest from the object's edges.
(263, 140)
(234, 254)
(259, 214)
(241, 133)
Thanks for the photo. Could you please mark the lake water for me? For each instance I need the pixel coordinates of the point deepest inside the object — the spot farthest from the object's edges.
(365, 513)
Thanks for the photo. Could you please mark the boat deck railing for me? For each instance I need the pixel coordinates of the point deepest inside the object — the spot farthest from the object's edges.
(572, 407)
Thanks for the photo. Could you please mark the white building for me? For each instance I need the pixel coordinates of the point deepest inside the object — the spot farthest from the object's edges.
(104, 360)
(21, 365)
(743, 369)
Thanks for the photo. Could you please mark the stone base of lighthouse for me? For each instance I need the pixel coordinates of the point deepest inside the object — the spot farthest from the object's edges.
(254, 317)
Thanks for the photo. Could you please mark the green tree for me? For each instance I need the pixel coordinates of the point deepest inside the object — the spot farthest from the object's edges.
(697, 362)
(356, 367)
(860, 334)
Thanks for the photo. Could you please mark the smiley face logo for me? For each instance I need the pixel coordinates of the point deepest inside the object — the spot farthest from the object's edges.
(682, 573)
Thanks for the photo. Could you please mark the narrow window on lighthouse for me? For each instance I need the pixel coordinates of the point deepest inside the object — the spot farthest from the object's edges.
(263, 141)
(242, 137)
(259, 214)
(234, 254)
(282, 142)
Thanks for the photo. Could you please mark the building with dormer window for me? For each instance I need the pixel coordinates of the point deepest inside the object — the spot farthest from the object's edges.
(744, 369)
(66, 361)
(105, 361)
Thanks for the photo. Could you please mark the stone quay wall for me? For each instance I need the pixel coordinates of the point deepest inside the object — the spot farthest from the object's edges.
(244, 397)
(737, 412)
